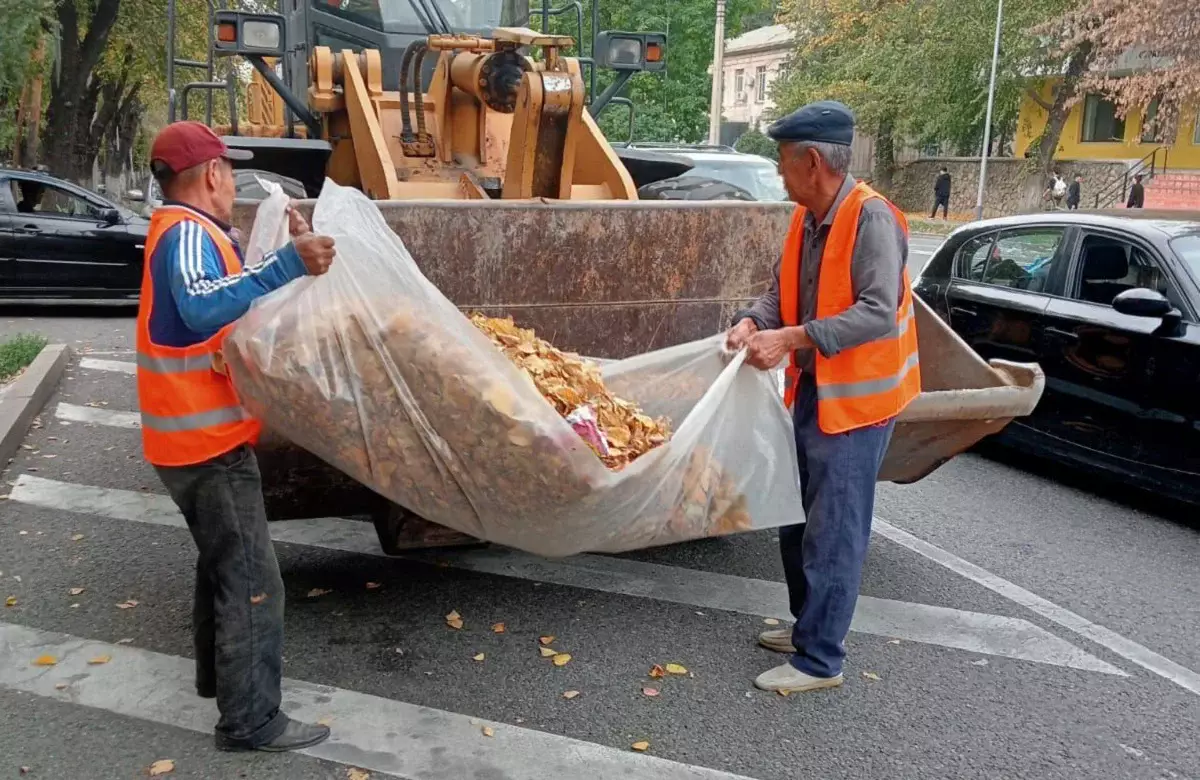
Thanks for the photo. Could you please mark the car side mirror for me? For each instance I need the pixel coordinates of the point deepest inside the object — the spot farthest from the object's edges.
(136, 196)
(1142, 302)
(110, 216)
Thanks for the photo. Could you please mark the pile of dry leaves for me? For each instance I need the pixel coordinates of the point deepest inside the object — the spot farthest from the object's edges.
(569, 383)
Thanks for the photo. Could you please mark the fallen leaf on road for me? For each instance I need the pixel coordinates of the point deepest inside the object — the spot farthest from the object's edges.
(771, 621)
(45, 660)
(260, 598)
(454, 620)
(75, 591)
(676, 669)
(374, 585)
(547, 651)
(785, 692)
(126, 641)
(649, 691)
(570, 694)
(11, 601)
(163, 767)
(657, 671)
(354, 773)
(640, 746)
(545, 640)
(130, 604)
(47, 457)
(75, 606)
(497, 628)
(479, 657)
(870, 675)
(77, 538)
(60, 687)
(562, 659)
(24, 770)
(326, 721)
(17, 577)
(488, 731)
(22, 533)
(318, 592)
(98, 660)
(980, 662)
(893, 641)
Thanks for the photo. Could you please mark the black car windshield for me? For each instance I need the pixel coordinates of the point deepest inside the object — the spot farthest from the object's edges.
(397, 15)
(760, 179)
(1188, 248)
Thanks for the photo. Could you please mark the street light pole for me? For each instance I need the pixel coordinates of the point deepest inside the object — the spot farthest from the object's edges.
(987, 127)
(718, 77)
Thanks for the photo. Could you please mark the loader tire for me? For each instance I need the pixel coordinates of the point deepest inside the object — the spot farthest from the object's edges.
(692, 188)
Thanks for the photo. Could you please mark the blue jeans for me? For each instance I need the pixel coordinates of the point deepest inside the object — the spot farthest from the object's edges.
(237, 619)
(823, 557)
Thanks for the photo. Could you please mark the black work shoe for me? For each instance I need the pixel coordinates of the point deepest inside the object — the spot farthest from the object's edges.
(296, 736)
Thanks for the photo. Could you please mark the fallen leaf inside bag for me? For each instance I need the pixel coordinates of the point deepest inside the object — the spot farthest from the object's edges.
(463, 420)
(576, 390)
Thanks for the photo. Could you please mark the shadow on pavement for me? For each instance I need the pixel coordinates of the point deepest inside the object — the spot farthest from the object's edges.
(1110, 489)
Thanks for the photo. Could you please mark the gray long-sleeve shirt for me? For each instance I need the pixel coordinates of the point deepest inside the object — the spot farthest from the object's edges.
(880, 252)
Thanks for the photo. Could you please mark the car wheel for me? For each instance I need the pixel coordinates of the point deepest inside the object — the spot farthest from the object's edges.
(692, 188)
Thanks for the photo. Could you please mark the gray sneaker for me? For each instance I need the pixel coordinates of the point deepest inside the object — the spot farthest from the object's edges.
(777, 639)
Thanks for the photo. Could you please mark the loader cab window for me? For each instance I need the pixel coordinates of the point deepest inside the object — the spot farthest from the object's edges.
(399, 16)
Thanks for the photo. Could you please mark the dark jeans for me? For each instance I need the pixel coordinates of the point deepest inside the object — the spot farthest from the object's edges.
(943, 203)
(823, 557)
(237, 620)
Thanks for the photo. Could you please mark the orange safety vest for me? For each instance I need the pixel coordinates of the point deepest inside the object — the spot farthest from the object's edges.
(862, 385)
(190, 412)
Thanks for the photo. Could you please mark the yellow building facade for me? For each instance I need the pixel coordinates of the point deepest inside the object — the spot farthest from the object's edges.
(1094, 132)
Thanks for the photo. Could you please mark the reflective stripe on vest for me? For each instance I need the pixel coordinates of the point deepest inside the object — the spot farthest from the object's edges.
(862, 385)
(190, 412)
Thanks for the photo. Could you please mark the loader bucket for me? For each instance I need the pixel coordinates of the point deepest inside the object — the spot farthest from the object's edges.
(614, 279)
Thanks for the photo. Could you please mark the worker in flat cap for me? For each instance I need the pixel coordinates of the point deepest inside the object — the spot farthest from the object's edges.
(841, 311)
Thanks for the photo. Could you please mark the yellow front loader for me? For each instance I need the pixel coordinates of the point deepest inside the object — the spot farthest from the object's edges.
(483, 152)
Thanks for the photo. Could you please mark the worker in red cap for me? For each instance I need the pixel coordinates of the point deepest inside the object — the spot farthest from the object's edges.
(200, 440)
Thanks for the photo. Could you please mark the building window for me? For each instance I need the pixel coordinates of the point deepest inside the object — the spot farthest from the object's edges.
(1150, 128)
(1196, 129)
(1100, 121)
(739, 85)
(760, 83)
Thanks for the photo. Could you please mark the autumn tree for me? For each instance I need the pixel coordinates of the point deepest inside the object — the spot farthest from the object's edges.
(919, 71)
(1165, 36)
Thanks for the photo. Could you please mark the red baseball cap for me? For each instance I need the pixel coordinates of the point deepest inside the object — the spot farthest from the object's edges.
(182, 145)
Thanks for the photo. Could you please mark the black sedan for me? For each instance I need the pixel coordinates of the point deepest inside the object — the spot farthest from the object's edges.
(58, 240)
(1108, 304)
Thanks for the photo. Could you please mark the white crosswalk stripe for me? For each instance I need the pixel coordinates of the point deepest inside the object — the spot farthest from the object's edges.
(370, 732)
(957, 629)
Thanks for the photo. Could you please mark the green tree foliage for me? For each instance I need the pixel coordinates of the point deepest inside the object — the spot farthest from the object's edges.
(919, 70)
(754, 142)
(673, 105)
(26, 23)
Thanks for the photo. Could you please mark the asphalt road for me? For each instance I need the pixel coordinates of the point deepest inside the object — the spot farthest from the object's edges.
(1013, 625)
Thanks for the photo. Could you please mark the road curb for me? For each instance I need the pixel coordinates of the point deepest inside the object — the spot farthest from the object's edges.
(24, 398)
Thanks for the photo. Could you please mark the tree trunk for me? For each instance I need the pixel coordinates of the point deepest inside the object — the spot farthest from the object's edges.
(69, 148)
(885, 155)
(1059, 110)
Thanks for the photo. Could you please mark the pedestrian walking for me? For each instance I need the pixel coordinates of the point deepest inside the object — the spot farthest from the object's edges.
(199, 439)
(941, 194)
(1056, 190)
(841, 307)
(1075, 193)
(1137, 193)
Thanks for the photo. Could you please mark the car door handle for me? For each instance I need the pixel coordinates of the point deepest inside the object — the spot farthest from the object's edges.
(1065, 335)
(963, 310)
(28, 229)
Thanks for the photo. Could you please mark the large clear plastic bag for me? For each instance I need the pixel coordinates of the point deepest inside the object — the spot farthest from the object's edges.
(372, 369)
(270, 229)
